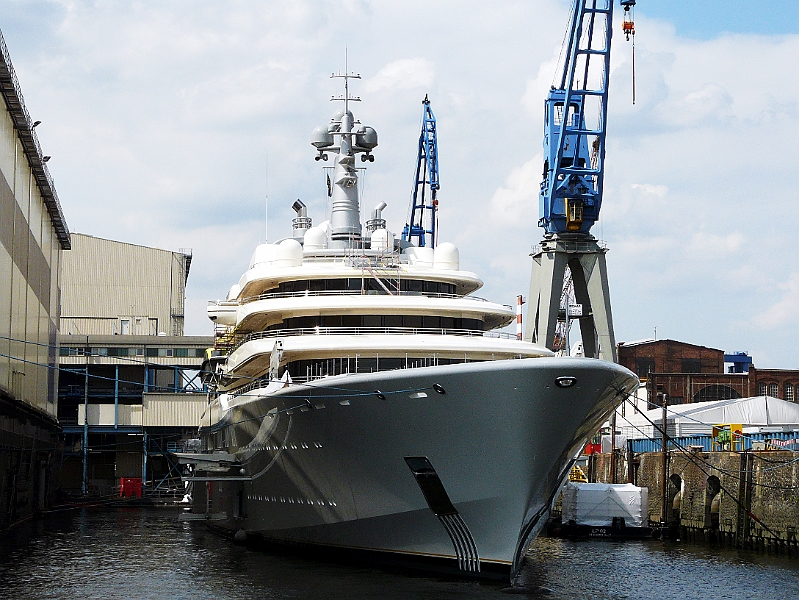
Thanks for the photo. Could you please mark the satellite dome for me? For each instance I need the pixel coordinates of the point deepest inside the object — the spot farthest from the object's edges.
(289, 254)
(321, 138)
(339, 114)
(366, 138)
(447, 257)
(315, 238)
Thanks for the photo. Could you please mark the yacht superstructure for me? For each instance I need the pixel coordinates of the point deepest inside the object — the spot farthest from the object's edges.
(366, 400)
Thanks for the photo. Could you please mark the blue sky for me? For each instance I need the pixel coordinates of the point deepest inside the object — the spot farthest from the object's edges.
(705, 19)
(159, 115)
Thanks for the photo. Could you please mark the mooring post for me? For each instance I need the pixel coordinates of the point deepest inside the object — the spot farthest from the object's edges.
(613, 448)
(630, 466)
(664, 465)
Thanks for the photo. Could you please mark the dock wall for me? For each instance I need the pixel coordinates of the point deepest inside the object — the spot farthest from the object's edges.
(745, 499)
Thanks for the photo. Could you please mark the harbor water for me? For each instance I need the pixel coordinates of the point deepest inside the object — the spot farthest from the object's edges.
(147, 553)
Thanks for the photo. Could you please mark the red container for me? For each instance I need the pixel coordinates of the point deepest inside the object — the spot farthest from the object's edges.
(592, 448)
(130, 487)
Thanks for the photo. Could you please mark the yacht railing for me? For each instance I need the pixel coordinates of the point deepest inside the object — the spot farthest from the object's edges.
(308, 293)
(263, 382)
(281, 333)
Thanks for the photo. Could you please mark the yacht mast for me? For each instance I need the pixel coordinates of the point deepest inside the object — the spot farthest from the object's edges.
(347, 137)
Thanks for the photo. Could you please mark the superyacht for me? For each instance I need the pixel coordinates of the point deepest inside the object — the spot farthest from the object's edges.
(364, 400)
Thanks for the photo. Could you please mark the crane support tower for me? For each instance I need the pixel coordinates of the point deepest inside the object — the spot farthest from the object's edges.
(424, 231)
(575, 113)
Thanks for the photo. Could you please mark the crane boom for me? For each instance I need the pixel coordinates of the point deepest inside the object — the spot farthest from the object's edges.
(575, 115)
(569, 260)
(426, 179)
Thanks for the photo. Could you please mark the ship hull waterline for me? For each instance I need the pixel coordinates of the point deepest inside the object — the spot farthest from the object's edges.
(456, 463)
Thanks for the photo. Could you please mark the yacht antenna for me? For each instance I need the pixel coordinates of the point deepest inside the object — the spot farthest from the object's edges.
(266, 224)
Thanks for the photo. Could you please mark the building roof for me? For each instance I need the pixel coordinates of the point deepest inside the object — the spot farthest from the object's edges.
(10, 90)
(699, 418)
(650, 342)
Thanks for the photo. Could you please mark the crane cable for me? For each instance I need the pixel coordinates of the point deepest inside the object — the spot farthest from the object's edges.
(628, 27)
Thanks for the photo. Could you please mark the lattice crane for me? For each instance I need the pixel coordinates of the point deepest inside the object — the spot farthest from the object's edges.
(422, 224)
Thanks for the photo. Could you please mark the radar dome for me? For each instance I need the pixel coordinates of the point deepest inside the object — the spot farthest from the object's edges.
(315, 238)
(339, 114)
(289, 254)
(235, 289)
(264, 253)
(367, 138)
(447, 257)
(419, 256)
(382, 239)
(321, 138)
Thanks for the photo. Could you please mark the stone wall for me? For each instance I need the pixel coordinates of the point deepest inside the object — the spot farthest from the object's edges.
(743, 498)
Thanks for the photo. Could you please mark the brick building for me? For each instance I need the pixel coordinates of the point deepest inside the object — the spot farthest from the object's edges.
(688, 373)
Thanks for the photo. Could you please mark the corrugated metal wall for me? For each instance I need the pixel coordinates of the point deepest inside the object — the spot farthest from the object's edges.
(173, 410)
(105, 282)
(156, 410)
(29, 256)
(706, 441)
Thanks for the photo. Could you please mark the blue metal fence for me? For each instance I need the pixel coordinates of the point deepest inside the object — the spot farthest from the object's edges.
(706, 441)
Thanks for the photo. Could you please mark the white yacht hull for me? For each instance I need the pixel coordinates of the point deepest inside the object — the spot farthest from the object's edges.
(328, 466)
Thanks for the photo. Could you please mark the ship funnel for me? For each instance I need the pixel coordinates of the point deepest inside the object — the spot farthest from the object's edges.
(302, 222)
(377, 221)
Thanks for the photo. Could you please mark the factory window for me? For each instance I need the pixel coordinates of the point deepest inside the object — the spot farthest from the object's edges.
(99, 351)
(181, 352)
(789, 392)
(644, 366)
(152, 352)
(773, 390)
(691, 365)
(139, 351)
(761, 389)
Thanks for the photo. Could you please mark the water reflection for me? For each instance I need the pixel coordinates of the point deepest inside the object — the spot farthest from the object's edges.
(146, 553)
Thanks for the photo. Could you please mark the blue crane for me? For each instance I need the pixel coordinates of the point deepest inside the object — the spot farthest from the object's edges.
(575, 115)
(422, 204)
(569, 271)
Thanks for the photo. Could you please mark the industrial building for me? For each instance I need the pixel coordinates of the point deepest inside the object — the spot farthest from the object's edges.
(33, 235)
(115, 288)
(129, 391)
(686, 373)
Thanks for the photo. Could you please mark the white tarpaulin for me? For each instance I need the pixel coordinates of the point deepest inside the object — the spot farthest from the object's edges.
(685, 420)
(596, 504)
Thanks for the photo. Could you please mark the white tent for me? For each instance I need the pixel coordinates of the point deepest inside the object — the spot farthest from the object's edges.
(759, 414)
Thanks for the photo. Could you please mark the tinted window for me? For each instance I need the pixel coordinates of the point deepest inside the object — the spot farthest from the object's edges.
(691, 365)
(643, 366)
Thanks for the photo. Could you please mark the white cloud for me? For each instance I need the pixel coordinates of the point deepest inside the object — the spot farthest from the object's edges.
(783, 312)
(515, 205)
(159, 118)
(403, 74)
